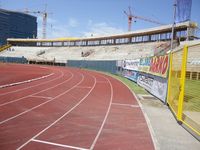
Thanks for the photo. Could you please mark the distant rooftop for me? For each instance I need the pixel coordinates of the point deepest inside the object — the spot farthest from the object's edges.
(15, 11)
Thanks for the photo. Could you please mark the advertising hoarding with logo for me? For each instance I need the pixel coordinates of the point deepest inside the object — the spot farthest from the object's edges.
(155, 85)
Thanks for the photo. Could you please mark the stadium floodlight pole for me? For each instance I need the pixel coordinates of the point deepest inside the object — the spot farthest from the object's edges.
(173, 25)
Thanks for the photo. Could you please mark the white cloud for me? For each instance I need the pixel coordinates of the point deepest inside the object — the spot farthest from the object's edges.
(73, 22)
(101, 29)
(56, 29)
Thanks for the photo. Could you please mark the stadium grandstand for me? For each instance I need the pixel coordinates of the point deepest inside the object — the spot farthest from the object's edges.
(183, 31)
(164, 61)
(129, 45)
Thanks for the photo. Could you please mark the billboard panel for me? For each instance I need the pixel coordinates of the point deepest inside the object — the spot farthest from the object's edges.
(155, 85)
(157, 65)
(130, 74)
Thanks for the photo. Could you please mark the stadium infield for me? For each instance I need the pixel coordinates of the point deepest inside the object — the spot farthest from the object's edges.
(72, 109)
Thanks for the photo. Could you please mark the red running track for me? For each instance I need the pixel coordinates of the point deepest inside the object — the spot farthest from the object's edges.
(12, 73)
(72, 109)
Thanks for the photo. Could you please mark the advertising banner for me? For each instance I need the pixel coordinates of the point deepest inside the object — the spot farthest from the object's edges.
(131, 74)
(155, 85)
(145, 81)
(157, 65)
(131, 64)
(144, 64)
(159, 88)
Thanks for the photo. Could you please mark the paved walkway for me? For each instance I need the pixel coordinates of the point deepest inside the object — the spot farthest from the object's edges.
(168, 133)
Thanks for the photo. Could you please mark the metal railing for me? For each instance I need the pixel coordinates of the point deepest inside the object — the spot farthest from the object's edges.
(4, 47)
(184, 86)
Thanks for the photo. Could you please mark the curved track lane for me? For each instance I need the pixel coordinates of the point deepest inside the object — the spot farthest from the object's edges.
(74, 109)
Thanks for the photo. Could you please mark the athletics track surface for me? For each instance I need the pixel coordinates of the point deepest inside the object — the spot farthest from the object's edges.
(71, 109)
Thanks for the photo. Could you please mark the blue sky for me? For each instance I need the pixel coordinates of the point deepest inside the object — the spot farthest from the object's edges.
(81, 18)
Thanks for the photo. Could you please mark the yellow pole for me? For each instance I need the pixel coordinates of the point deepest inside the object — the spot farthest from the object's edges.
(182, 84)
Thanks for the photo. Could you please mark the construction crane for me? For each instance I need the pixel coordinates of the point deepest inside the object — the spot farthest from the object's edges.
(44, 19)
(131, 17)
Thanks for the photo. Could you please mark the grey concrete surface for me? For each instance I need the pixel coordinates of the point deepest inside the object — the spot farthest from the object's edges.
(168, 133)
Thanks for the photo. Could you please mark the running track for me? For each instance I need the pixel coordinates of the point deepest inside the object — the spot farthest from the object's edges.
(71, 109)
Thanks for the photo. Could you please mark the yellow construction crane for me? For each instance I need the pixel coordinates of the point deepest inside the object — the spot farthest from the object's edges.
(44, 19)
(131, 17)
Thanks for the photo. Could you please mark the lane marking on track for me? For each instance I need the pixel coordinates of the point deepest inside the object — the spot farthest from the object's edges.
(13, 91)
(26, 81)
(102, 81)
(152, 132)
(84, 87)
(59, 118)
(129, 105)
(13, 117)
(43, 67)
(60, 145)
(106, 116)
(36, 92)
(45, 97)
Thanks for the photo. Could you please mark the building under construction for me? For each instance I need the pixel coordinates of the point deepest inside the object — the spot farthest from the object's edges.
(16, 25)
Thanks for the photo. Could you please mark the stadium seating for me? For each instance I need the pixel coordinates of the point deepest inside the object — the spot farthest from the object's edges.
(62, 54)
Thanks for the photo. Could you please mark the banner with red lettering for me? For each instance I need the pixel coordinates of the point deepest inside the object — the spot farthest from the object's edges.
(157, 65)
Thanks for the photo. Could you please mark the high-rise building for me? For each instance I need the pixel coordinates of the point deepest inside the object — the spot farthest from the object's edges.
(15, 24)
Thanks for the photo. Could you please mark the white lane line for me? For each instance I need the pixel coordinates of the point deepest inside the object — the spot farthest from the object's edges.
(26, 81)
(106, 116)
(14, 91)
(102, 82)
(37, 92)
(43, 67)
(152, 133)
(84, 87)
(41, 97)
(60, 145)
(41, 103)
(119, 104)
(60, 117)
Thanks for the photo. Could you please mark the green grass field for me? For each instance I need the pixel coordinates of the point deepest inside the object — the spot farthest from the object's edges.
(192, 95)
(132, 85)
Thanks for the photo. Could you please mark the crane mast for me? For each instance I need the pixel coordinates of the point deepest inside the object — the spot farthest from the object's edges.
(44, 19)
(44, 24)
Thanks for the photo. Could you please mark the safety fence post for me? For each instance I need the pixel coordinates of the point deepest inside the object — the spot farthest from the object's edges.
(182, 84)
